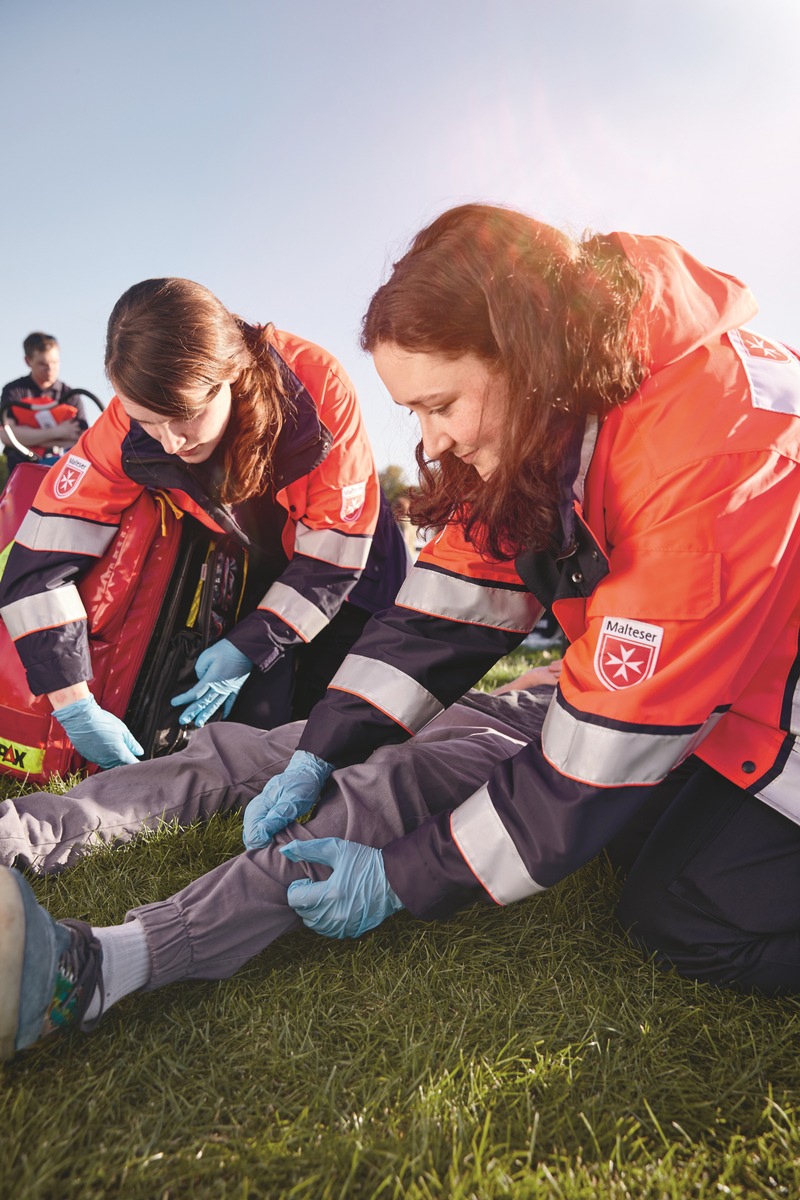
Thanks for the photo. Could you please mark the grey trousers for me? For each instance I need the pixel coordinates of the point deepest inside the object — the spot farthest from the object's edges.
(212, 927)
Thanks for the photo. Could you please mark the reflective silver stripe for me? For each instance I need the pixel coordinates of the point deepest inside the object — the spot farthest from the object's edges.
(489, 851)
(389, 689)
(783, 792)
(464, 600)
(43, 611)
(66, 535)
(341, 549)
(607, 757)
(303, 616)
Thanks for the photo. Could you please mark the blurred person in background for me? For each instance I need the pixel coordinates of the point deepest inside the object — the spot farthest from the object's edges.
(47, 431)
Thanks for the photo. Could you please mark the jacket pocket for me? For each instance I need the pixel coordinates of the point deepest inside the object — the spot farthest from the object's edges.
(659, 584)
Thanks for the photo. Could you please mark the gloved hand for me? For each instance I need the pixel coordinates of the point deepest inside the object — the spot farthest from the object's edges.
(221, 671)
(285, 798)
(356, 897)
(98, 735)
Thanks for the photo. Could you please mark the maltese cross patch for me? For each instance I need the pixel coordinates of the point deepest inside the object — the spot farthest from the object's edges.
(353, 498)
(70, 475)
(627, 652)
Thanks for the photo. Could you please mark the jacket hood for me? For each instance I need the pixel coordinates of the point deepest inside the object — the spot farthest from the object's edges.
(684, 303)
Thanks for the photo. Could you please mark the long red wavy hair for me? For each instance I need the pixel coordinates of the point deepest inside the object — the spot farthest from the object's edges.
(553, 315)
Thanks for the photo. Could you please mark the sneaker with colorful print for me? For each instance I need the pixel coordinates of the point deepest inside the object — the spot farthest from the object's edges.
(49, 970)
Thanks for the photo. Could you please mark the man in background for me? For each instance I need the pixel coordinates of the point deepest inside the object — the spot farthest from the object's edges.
(25, 406)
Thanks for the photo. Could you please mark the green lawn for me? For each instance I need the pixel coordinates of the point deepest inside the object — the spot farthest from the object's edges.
(525, 1052)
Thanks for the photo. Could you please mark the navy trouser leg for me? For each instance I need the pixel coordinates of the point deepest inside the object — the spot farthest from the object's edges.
(715, 889)
(319, 660)
(290, 689)
(265, 701)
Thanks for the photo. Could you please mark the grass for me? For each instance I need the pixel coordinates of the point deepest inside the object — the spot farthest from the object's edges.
(528, 1052)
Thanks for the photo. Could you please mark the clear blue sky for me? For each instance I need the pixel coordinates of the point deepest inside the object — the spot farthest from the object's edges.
(283, 154)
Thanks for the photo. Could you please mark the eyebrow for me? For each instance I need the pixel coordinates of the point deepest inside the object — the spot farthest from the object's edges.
(432, 398)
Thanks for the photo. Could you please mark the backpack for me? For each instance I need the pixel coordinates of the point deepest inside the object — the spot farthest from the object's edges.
(166, 588)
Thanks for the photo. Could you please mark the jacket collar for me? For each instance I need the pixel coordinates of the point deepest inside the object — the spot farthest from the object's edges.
(303, 442)
(572, 479)
(576, 568)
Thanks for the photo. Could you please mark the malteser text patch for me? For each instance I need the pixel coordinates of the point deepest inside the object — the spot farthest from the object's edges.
(70, 475)
(627, 652)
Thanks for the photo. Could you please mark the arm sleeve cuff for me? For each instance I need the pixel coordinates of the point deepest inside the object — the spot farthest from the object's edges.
(428, 873)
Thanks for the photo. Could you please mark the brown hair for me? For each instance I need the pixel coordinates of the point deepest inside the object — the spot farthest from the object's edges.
(548, 312)
(170, 346)
(37, 343)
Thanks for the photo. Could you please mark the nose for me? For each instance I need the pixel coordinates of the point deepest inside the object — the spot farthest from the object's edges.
(434, 441)
(171, 439)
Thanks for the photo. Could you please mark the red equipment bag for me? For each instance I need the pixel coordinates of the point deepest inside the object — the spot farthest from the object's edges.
(165, 589)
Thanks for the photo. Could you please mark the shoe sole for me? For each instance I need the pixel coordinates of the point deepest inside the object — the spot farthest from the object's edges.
(12, 959)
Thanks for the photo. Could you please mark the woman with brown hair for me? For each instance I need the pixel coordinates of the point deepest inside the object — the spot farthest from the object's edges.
(254, 432)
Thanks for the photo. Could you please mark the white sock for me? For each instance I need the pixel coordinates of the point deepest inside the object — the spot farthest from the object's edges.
(126, 964)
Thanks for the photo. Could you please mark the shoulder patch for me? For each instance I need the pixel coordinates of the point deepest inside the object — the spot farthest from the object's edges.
(627, 652)
(353, 497)
(70, 475)
(772, 371)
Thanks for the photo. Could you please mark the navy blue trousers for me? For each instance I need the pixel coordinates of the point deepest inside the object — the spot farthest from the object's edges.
(712, 883)
(293, 685)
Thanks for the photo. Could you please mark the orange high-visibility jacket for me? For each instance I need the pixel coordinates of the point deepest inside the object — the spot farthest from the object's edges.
(678, 587)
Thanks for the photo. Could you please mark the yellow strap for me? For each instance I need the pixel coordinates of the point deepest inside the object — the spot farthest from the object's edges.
(163, 499)
(245, 564)
(4, 556)
(191, 620)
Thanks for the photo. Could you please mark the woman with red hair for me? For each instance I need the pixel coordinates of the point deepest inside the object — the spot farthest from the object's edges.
(603, 437)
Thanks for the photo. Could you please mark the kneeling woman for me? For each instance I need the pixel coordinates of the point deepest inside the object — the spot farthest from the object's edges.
(601, 436)
(254, 432)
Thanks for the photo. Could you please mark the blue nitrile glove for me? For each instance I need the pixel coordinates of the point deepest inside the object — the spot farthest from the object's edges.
(356, 897)
(221, 671)
(98, 735)
(285, 798)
